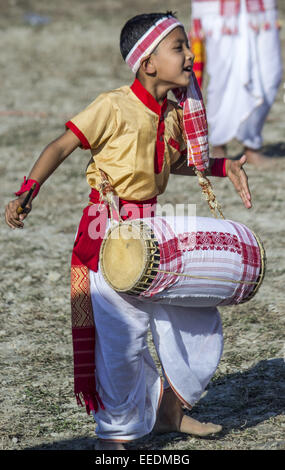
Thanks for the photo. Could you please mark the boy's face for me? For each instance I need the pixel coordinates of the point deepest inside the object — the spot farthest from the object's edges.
(173, 60)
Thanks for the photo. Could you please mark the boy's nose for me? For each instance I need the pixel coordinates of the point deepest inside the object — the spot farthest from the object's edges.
(191, 56)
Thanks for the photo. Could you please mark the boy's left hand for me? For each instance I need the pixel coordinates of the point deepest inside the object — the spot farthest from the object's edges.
(237, 175)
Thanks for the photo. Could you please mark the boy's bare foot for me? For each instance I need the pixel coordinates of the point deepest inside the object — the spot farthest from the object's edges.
(102, 444)
(255, 157)
(172, 419)
(192, 426)
(219, 151)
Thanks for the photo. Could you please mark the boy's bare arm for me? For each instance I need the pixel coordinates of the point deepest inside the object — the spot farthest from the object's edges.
(51, 157)
(181, 168)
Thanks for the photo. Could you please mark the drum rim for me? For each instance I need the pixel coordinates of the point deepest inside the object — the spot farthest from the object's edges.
(143, 274)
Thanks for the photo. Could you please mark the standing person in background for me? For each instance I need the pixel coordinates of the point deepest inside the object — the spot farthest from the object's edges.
(244, 66)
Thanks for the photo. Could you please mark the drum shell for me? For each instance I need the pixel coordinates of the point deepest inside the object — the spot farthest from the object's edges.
(225, 258)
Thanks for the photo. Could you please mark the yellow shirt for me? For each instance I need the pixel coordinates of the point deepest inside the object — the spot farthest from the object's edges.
(132, 139)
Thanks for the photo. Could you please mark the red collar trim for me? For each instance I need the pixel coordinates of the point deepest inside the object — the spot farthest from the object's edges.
(146, 98)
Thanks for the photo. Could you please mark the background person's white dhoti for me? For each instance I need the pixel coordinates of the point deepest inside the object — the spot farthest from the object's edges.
(189, 343)
(245, 71)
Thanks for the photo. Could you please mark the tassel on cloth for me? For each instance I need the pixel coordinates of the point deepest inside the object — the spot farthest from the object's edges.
(91, 401)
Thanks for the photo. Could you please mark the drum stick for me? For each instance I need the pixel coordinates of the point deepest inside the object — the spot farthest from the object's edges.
(21, 208)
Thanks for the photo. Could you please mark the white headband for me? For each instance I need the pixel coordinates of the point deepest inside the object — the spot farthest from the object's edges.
(148, 42)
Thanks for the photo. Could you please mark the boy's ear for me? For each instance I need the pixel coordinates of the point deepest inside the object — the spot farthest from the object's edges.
(147, 66)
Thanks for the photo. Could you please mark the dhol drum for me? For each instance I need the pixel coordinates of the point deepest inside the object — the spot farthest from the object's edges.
(186, 261)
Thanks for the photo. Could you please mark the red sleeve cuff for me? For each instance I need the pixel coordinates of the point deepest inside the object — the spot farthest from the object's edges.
(84, 142)
(219, 167)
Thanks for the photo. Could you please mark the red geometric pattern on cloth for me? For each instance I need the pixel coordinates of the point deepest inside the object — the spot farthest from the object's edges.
(190, 241)
(222, 241)
(83, 337)
(80, 298)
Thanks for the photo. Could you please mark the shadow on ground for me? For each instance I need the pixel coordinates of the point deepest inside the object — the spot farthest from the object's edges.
(276, 150)
(238, 401)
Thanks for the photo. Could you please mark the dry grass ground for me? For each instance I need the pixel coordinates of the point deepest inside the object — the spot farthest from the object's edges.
(50, 72)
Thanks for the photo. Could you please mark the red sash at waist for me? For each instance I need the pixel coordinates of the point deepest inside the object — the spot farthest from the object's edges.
(92, 226)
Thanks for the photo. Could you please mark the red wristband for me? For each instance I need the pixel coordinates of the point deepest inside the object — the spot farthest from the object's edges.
(219, 167)
(26, 186)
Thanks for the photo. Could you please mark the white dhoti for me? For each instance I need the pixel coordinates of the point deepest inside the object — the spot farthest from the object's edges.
(245, 71)
(188, 341)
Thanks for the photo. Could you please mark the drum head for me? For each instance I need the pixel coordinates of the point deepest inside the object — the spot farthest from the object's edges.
(123, 257)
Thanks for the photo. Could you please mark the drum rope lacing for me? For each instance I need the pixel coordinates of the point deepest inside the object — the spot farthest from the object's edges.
(153, 251)
(107, 195)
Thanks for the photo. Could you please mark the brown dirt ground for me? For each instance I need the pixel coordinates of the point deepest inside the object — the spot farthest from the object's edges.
(49, 73)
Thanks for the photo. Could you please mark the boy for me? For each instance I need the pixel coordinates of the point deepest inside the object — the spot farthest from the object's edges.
(136, 138)
(245, 68)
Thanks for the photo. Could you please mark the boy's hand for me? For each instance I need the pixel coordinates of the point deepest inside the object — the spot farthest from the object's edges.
(13, 219)
(238, 177)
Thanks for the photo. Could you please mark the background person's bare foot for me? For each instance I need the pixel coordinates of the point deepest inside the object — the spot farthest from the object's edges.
(219, 151)
(172, 419)
(256, 158)
(102, 444)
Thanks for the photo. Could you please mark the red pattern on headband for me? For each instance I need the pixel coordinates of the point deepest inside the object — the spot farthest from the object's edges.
(152, 37)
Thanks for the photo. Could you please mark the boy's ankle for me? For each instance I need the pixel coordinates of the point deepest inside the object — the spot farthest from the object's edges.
(103, 444)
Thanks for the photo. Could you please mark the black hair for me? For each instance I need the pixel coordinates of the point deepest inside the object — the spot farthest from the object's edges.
(136, 27)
